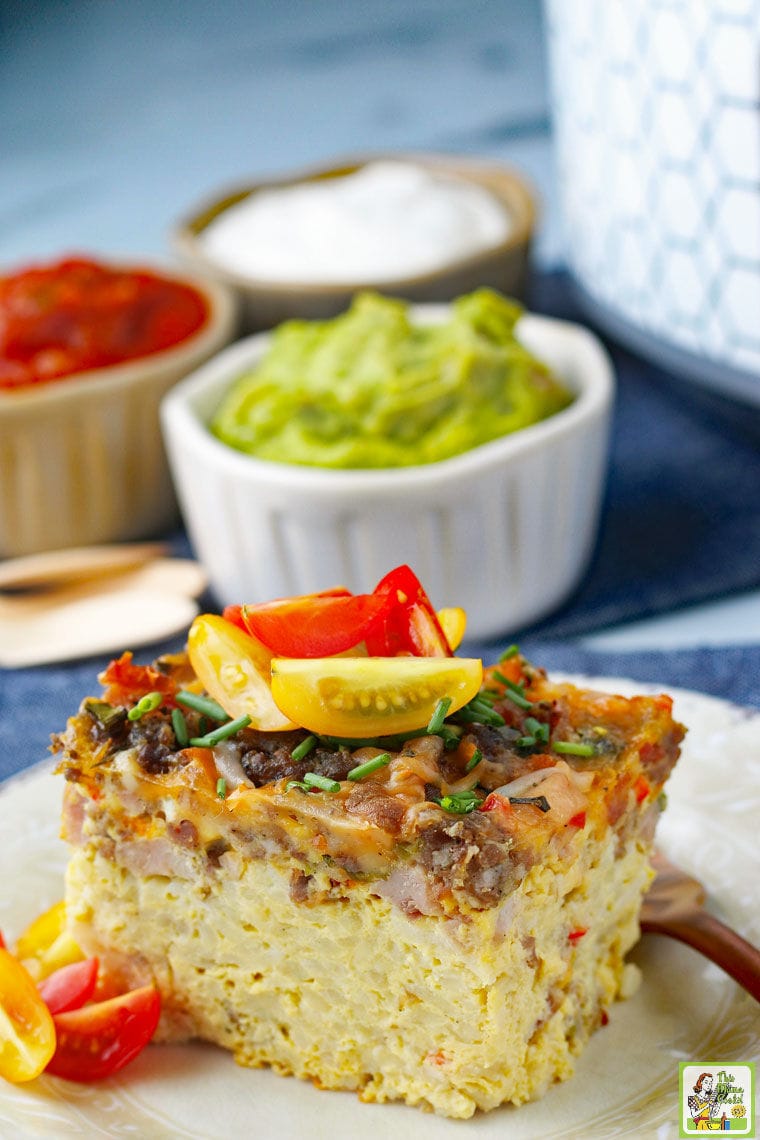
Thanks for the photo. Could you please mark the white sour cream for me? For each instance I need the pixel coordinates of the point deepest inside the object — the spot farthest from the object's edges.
(388, 220)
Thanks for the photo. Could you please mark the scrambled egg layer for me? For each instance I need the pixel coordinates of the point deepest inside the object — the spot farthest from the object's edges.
(451, 1015)
(369, 938)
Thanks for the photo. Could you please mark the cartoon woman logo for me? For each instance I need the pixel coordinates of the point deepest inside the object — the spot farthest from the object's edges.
(706, 1106)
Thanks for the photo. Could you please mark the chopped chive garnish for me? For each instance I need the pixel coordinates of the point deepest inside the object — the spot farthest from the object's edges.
(324, 783)
(369, 766)
(487, 712)
(392, 742)
(347, 741)
(479, 712)
(516, 695)
(297, 784)
(179, 724)
(306, 746)
(537, 728)
(450, 737)
(509, 652)
(223, 732)
(537, 733)
(145, 704)
(460, 803)
(474, 760)
(540, 802)
(572, 748)
(221, 788)
(435, 724)
(205, 705)
(108, 715)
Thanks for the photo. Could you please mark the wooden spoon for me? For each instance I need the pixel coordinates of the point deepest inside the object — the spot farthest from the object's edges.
(54, 568)
(674, 905)
(103, 613)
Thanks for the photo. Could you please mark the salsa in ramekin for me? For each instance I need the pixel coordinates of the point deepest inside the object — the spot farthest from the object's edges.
(75, 315)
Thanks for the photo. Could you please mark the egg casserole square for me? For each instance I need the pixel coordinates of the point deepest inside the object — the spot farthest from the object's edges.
(448, 931)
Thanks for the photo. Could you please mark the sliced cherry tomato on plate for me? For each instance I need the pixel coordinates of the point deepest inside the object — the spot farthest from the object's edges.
(235, 613)
(46, 944)
(234, 669)
(314, 626)
(70, 987)
(371, 696)
(27, 1032)
(453, 622)
(410, 625)
(96, 1041)
(126, 682)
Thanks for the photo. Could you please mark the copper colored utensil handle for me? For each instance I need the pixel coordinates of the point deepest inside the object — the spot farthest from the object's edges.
(707, 934)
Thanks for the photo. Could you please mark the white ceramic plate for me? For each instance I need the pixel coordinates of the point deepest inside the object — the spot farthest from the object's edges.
(626, 1083)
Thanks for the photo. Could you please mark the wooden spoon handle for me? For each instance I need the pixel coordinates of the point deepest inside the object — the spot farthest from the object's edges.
(707, 934)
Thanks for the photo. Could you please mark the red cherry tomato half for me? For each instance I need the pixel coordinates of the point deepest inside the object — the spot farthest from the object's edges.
(126, 682)
(70, 987)
(234, 614)
(397, 619)
(96, 1041)
(410, 624)
(314, 625)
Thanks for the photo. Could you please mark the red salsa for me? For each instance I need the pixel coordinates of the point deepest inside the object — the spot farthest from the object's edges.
(75, 315)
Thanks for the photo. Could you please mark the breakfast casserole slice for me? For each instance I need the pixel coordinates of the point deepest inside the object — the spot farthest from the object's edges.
(440, 916)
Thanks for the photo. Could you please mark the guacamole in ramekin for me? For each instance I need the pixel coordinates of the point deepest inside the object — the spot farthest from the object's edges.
(374, 388)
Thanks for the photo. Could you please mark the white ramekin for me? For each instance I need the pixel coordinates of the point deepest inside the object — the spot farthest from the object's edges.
(82, 459)
(505, 530)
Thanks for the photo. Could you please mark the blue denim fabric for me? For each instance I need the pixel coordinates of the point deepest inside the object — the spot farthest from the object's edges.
(681, 524)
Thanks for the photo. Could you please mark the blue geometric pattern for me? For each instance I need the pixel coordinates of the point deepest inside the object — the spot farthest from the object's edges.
(657, 132)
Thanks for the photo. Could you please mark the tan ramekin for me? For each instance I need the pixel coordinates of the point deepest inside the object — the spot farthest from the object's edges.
(82, 458)
(267, 303)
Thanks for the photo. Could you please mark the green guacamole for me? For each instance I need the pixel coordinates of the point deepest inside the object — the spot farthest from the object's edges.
(369, 388)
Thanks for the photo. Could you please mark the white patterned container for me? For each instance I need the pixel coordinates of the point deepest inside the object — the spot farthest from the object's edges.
(657, 129)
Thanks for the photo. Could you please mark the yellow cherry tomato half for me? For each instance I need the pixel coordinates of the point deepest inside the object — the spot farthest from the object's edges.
(371, 696)
(27, 1032)
(234, 668)
(453, 622)
(46, 945)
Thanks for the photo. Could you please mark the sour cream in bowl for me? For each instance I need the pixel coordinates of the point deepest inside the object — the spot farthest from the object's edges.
(421, 227)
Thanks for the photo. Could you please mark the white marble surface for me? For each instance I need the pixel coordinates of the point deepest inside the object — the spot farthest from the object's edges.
(730, 621)
(118, 117)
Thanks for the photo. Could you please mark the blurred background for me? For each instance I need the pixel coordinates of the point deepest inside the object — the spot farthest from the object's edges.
(640, 141)
(118, 117)
(637, 125)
